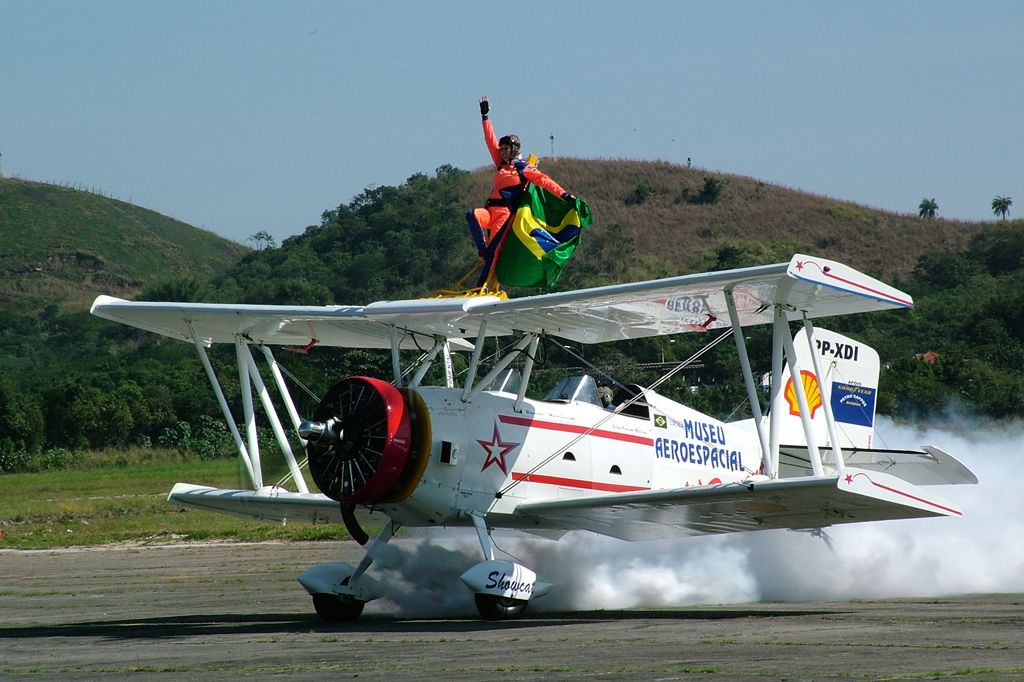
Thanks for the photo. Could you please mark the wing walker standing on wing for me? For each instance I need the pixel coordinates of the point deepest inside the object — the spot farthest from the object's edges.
(511, 175)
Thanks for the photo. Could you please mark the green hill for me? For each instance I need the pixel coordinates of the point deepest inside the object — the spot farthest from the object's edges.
(59, 244)
(68, 380)
(658, 206)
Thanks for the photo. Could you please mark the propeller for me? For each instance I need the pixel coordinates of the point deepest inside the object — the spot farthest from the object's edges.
(359, 441)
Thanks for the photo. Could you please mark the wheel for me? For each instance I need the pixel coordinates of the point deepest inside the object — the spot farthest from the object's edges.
(334, 609)
(492, 607)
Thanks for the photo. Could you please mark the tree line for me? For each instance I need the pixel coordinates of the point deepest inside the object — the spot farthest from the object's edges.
(82, 383)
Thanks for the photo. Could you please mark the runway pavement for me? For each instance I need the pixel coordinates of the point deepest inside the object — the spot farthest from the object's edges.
(228, 610)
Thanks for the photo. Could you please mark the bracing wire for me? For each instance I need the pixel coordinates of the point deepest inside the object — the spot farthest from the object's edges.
(668, 375)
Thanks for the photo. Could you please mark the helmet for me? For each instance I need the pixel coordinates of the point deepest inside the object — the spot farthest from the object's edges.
(511, 141)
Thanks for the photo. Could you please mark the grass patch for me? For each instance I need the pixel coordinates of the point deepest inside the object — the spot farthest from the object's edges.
(111, 499)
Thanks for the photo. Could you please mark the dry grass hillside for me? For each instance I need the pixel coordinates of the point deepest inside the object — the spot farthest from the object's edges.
(669, 225)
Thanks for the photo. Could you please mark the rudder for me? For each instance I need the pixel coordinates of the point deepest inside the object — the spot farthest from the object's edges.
(850, 386)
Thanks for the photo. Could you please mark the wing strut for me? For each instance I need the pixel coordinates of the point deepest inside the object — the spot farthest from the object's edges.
(427, 361)
(748, 381)
(527, 370)
(248, 413)
(249, 378)
(223, 404)
(275, 421)
(801, 398)
(282, 388)
(826, 405)
(449, 370)
(779, 327)
(499, 366)
(474, 361)
(784, 352)
(396, 365)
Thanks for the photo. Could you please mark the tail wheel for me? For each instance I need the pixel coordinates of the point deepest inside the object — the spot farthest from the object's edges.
(492, 607)
(365, 443)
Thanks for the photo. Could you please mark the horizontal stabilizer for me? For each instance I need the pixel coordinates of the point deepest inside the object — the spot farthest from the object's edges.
(930, 466)
(795, 503)
(265, 504)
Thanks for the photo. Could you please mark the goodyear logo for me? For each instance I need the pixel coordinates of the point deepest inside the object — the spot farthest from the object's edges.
(853, 404)
(661, 421)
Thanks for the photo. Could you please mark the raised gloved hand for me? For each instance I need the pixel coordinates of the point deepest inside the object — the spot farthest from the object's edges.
(485, 106)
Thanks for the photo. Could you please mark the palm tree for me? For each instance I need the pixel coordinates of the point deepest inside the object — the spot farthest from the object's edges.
(927, 209)
(1001, 206)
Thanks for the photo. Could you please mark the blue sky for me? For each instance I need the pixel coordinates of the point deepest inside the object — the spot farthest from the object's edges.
(247, 116)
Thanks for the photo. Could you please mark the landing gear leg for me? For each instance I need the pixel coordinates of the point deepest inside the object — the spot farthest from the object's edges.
(340, 590)
(501, 589)
(386, 533)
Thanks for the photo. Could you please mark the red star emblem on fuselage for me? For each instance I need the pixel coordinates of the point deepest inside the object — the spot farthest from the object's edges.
(496, 450)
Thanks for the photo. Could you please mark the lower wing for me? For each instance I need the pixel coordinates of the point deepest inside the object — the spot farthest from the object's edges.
(798, 503)
(265, 504)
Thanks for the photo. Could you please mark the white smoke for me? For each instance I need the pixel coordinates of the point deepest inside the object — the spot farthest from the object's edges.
(915, 558)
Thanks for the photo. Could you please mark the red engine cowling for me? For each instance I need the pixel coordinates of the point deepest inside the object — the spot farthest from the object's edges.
(360, 441)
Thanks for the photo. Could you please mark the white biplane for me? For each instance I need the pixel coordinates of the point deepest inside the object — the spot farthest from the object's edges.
(483, 455)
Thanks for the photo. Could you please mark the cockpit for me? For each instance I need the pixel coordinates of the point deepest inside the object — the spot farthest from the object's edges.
(638, 407)
(576, 388)
(507, 382)
(581, 388)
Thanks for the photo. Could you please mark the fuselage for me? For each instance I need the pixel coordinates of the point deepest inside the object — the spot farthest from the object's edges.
(486, 457)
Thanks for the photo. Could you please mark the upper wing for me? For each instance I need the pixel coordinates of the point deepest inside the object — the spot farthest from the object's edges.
(346, 326)
(809, 286)
(806, 285)
(798, 503)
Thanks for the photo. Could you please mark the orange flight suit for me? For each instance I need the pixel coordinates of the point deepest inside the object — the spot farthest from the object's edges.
(509, 182)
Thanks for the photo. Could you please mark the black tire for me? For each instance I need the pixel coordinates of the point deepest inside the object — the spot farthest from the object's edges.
(334, 609)
(499, 608)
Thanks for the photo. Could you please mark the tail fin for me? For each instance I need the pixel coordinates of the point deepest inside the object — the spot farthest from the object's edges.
(849, 386)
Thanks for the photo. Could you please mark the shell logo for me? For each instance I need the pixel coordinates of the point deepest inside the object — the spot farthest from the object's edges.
(811, 389)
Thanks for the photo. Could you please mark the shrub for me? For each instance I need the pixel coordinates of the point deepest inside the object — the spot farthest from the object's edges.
(712, 191)
(641, 193)
(178, 436)
(13, 460)
(212, 439)
(58, 458)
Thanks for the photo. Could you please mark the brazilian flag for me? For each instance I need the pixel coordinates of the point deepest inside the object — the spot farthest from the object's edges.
(545, 231)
